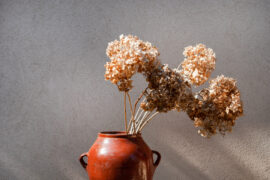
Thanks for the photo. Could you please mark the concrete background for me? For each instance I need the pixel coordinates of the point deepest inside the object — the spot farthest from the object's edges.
(54, 100)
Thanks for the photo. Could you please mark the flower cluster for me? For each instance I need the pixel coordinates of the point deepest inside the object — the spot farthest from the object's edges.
(165, 86)
(213, 109)
(217, 107)
(198, 64)
(128, 56)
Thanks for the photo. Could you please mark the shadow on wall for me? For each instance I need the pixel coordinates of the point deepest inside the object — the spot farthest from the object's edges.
(176, 166)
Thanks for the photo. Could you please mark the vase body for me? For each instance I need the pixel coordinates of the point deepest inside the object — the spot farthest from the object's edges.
(118, 156)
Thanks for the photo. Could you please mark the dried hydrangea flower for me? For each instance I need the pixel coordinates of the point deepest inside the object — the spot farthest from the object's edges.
(225, 94)
(186, 99)
(128, 56)
(165, 86)
(198, 64)
(218, 107)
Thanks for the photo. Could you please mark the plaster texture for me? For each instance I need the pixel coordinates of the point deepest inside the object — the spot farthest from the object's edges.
(54, 100)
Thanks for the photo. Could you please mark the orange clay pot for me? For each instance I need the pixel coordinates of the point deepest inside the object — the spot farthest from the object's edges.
(118, 156)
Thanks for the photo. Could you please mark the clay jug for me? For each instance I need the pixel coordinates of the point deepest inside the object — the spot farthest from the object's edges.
(118, 156)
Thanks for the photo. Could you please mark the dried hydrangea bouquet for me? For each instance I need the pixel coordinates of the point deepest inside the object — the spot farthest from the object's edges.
(118, 155)
(213, 109)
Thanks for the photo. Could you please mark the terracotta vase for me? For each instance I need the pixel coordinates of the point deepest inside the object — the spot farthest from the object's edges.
(118, 156)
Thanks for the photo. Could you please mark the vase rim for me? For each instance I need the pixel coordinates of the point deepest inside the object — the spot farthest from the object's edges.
(114, 134)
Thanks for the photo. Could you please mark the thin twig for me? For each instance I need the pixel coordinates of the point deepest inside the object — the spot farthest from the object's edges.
(147, 121)
(146, 115)
(139, 109)
(140, 115)
(125, 95)
(178, 66)
(135, 105)
(143, 120)
(132, 112)
(140, 120)
(133, 121)
(129, 124)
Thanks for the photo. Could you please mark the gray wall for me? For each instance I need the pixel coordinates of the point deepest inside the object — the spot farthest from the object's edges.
(54, 100)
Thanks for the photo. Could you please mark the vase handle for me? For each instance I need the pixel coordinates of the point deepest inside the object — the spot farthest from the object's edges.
(83, 163)
(158, 158)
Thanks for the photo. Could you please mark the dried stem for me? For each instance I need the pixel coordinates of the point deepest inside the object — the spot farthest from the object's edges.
(147, 121)
(145, 116)
(129, 124)
(131, 109)
(133, 119)
(125, 95)
(135, 105)
(178, 66)
(140, 115)
(137, 113)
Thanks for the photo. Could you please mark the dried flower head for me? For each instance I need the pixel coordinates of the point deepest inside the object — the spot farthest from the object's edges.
(165, 86)
(128, 56)
(198, 64)
(218, 108)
